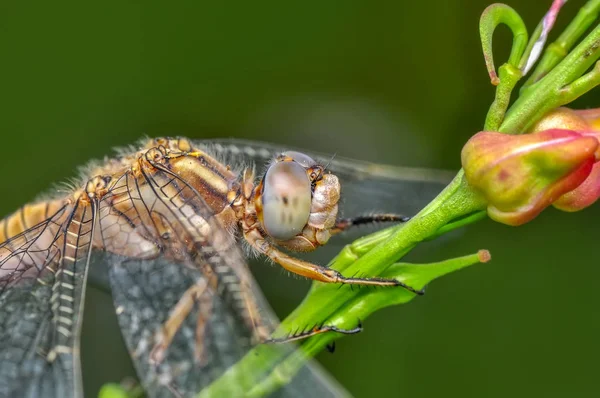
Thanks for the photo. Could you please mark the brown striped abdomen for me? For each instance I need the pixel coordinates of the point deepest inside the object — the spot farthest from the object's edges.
(28, 216)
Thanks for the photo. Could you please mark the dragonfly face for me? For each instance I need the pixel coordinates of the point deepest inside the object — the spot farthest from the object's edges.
(163, 219)
(297, 202)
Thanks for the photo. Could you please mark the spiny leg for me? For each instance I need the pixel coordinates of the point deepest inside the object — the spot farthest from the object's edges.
(253, 318)
(346, 223)
(304, 334)
(317, 272)
(202, 293)
(205, 309)
(176, 318)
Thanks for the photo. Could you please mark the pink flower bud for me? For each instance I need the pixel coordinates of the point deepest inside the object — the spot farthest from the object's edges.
(586, 122)
(561, 118)
(520, 175)
(584, 195)
(591, 116)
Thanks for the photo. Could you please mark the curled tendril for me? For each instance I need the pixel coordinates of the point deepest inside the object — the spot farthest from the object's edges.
(493, 16)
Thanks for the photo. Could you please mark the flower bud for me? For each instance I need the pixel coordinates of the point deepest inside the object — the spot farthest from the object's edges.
(591, 117)
(584, 195)
(520, 175)
(561, 118)
(586, 122)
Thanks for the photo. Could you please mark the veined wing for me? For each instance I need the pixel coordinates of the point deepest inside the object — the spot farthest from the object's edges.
(145, 291)
(200, 261)
(43, 272)
(366, 187)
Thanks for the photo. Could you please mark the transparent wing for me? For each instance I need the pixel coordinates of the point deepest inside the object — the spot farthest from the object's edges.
(146, 293)
(366, 187)
(43, 273)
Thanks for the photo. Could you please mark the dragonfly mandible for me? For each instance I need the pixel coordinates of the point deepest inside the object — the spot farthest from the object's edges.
(168, 218)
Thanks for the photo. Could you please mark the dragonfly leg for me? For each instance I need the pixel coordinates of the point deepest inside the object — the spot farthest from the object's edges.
(205, 311)
(346, 223)
(331, 347)
(304, 334)
(176, 317)
(205, 308)
(253, 319)
(318, 272)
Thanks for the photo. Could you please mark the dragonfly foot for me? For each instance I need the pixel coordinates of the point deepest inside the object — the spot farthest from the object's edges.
(331, 347)
(419, 292)
(158, 351)
(315, 330)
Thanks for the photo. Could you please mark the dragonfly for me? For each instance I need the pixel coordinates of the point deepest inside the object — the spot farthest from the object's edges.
(172, 220)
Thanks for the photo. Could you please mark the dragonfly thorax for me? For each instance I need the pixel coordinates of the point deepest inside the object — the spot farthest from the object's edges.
(294, 205)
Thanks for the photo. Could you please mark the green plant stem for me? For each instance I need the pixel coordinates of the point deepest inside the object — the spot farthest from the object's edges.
(509, 76)
(511, 72)
(556, 51)
(581, 86)
(461, 222)
(544, 95)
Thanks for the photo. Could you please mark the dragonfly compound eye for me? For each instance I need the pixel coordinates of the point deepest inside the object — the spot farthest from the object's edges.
(286, 200)
(301, 158)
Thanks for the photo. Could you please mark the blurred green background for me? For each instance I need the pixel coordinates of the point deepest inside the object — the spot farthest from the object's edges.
(401, 82)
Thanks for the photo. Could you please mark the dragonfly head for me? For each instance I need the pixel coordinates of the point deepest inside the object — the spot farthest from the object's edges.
(297, 202)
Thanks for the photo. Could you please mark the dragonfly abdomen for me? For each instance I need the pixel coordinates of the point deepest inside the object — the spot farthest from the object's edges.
(27, 217)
